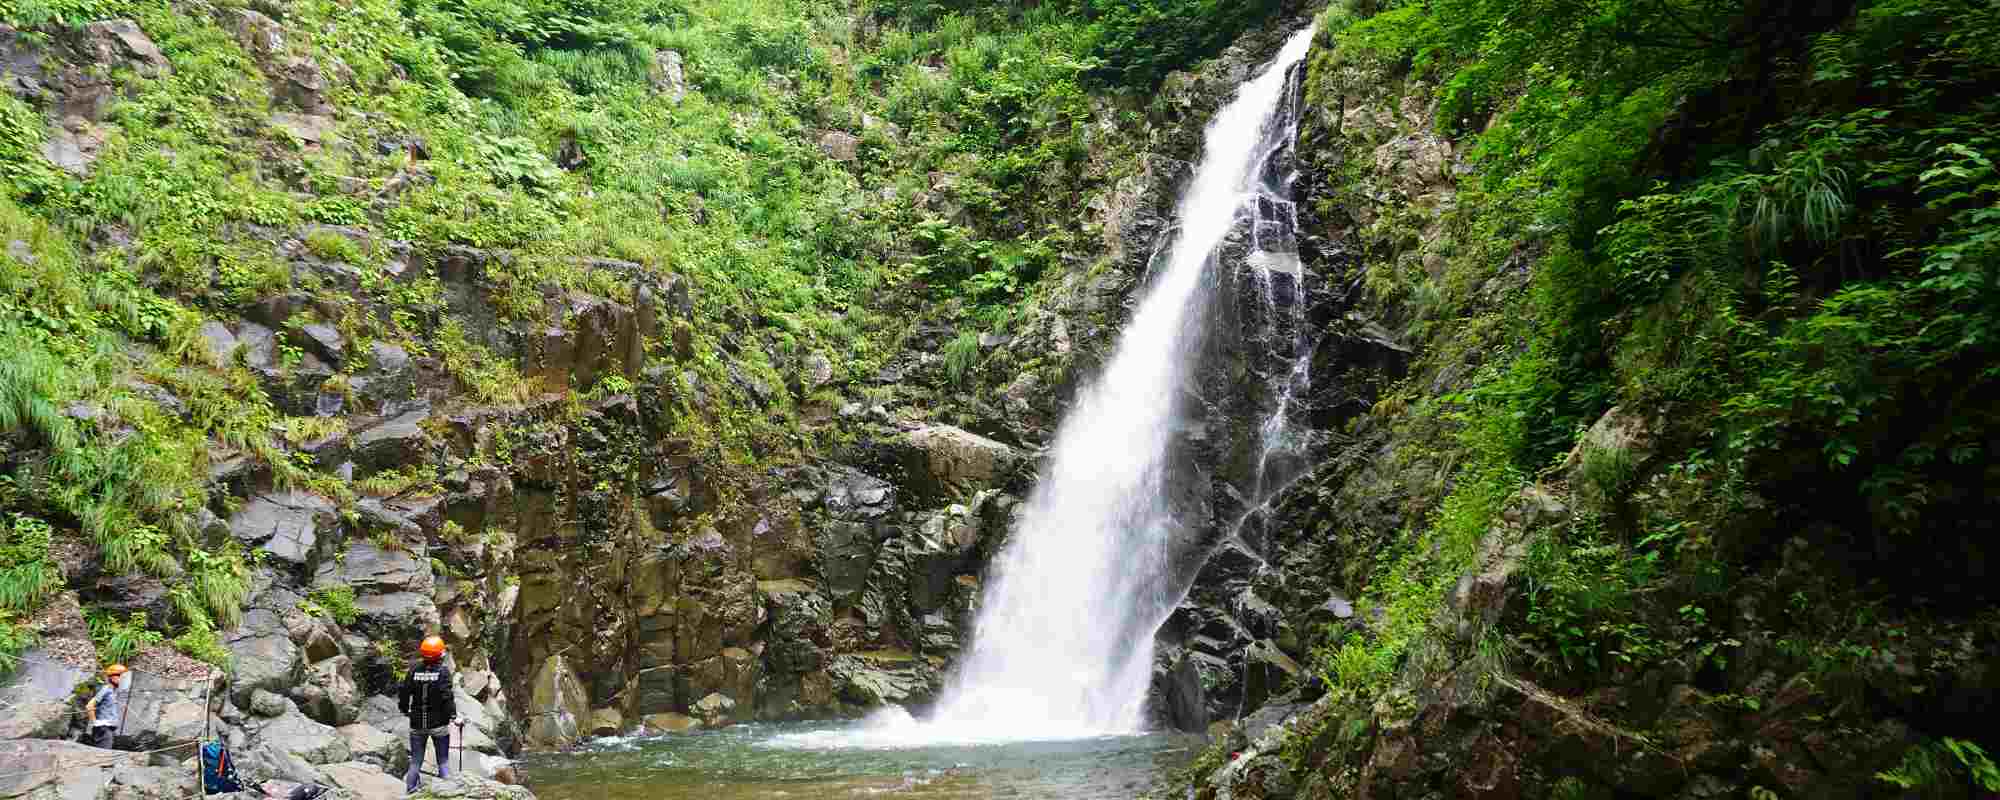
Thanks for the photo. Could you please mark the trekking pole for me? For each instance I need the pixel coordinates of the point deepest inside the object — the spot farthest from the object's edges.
(461, 749)
(125, 710)
(200, 757)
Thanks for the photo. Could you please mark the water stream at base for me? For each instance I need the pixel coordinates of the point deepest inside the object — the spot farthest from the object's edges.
(740, 763)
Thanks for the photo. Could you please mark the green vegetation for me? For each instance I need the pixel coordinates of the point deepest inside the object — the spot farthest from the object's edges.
(1776, 238)
(1933, 768)
(824, 179)
(28, 576)
(336, 602)
(118, 640)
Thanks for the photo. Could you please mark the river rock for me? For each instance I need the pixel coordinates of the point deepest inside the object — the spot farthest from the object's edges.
(149, 783)
(364, 781)
(47, 769)
(715, 709)
(293, 733)
(370, 745)
(558, 707)
(329, 695)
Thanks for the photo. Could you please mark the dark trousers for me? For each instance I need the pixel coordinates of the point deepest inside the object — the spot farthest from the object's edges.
(440, 742)
(102, 735)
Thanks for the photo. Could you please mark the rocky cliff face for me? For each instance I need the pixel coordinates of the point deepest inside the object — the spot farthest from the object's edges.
(530, 470)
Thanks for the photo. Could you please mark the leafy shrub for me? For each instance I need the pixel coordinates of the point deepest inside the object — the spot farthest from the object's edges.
(332, 246)
(15, 639)
(337, 602)
(1935, 767)
(119, 640)
(27, 574)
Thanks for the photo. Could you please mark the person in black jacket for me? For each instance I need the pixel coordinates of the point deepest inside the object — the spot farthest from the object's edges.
(427, 698)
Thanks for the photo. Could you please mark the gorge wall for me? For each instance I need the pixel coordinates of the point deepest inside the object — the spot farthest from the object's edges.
(1527, 536)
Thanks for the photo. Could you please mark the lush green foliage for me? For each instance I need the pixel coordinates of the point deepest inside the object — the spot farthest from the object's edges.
(685, 135)
(336, 602)
(118, 640)
(1933, 768)
(1778, 248)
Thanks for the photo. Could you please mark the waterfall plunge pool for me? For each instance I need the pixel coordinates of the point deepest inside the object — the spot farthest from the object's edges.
(857, 759)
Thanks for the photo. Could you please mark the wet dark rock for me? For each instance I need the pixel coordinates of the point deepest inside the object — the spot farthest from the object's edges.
(287, 524)
(325, 341)
(394, 442)
(329, 694)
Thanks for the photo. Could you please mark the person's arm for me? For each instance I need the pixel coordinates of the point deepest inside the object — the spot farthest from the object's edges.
(403, 695)
(450, 694)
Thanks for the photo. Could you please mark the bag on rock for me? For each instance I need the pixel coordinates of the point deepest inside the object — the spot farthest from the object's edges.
(218, 770)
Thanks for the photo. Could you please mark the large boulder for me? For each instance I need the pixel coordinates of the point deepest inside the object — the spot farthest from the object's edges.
(558, 707)
(368, 744)
(266, 656)
(259, 760)
(883, 677)
(364, 781)
(289, 525)
(945, 462)
(47, 769)
(164, 712)
(328, 694)
(37, 697)
(292, 732)
(149, 783)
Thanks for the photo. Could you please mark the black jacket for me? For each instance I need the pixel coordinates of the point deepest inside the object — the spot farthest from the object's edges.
(427, 696)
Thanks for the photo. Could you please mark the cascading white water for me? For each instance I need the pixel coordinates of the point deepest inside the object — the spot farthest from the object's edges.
(1063, 645)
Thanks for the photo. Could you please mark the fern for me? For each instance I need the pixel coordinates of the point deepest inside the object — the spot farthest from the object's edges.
(961, 354)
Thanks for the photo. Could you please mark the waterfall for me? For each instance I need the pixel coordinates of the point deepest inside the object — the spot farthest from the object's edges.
(1063, 643)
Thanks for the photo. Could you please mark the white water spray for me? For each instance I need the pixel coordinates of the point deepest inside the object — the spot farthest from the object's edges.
(1063, 646)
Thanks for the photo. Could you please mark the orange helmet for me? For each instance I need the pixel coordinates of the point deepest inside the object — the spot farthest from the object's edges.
(115, 669)
(433, 647)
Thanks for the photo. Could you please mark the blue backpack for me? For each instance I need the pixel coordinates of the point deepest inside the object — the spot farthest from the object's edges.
(218, 770)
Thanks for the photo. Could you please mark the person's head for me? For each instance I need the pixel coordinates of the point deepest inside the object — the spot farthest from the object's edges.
(115, 674)
(432, 649)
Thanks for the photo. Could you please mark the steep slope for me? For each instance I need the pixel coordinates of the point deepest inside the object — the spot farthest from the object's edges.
(1686, 492)
(616, 342)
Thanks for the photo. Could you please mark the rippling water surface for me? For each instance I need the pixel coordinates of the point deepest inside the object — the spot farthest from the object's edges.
(826, 761)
